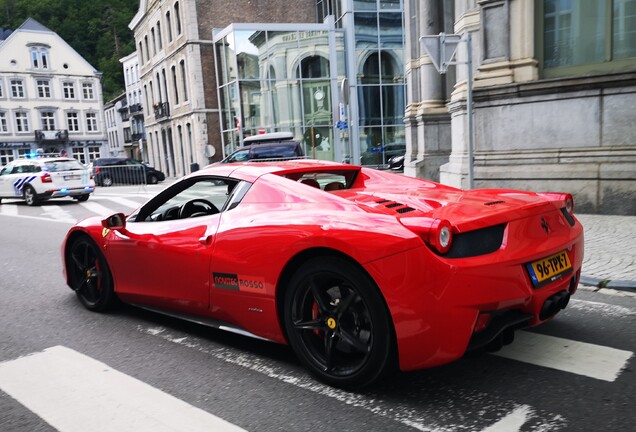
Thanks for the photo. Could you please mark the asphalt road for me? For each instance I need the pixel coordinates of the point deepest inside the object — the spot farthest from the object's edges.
(576, 376)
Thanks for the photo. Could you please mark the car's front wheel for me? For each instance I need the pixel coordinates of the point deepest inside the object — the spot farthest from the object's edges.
(152, 179)
(338, 324)
(89, 275)
(30, 196)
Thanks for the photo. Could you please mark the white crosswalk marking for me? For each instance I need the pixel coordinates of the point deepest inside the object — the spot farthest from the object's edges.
(594, 361)
(98, 208)
(58, 213)
(125, 202)
(8, 210)
(75, 393)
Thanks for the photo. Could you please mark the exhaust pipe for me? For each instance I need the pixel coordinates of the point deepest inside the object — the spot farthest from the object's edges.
(554, 304)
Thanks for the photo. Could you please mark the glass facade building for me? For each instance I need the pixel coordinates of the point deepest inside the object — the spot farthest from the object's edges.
(338, 86)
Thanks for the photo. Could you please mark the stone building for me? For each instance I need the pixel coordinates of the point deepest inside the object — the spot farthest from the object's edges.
(50, 97)
(554, 97)
(117, 122)
(178, 80)
(136, 146)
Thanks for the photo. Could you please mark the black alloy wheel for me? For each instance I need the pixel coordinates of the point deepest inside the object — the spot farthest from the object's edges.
(30, 196)
(90, 276)
(152, 179)
(338, 324)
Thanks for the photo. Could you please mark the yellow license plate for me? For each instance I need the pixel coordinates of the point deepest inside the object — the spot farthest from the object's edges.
(549, 269)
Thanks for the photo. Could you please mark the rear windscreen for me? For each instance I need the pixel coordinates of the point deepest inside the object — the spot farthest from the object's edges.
(63, 165)
(271, 152)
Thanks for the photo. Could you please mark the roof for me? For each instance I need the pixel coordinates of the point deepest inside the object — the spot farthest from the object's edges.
(268, 137)
(33, 25)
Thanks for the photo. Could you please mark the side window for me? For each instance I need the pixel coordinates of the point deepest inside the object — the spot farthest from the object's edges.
(8, 169)
(194, 197)
(240, 156)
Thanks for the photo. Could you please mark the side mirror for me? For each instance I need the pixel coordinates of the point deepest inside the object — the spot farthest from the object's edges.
(115, 222)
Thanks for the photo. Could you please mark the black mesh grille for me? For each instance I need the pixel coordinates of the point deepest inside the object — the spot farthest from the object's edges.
(405, 210)
(479, 242)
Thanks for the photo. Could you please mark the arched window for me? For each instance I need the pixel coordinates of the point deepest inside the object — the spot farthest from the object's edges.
(159, 35)
(174, 84)
(177, 18)
(169, 25)
(184, 80)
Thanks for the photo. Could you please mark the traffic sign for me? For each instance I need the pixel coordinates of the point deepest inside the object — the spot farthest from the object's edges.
(441, 49)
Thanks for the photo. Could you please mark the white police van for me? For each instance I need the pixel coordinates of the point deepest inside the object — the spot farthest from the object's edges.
(43, 177)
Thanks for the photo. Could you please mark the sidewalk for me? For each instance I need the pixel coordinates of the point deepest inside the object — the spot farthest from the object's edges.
(610, 251)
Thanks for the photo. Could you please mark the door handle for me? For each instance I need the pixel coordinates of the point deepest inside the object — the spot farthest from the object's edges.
(205, 240)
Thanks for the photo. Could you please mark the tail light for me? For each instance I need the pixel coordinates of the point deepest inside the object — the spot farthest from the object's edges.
(441, 235)
(569, 204)
(46, 178)
(436, 233)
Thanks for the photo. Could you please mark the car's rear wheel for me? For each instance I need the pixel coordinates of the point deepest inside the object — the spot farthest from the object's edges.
(338, 324)
(82, 198)
(107, 181)
(30, 196)
(152, 179)
(89, 275)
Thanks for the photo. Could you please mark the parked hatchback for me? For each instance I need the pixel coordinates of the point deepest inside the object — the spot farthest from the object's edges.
(109, 171)
(41, 178)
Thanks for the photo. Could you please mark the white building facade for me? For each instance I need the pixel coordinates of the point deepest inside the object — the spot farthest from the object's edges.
(137, 147)
(117, 126)
(50, 97)
(171, 74)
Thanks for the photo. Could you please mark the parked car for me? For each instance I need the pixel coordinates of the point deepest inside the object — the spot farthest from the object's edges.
(108, 171)
(269, 151)
(396, 163)
(359, 270)
(382, 154)
(44, 177)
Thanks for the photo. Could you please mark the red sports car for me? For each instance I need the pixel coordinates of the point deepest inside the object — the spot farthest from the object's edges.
(358, 270)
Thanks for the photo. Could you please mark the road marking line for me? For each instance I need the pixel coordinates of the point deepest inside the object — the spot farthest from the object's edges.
(98, 208)
(125, 202)
(58, 213)
(8, 210)
(513, 421)
(438, 418)
(40, 218)
(603, 308)
(75, 393)
(594, 361)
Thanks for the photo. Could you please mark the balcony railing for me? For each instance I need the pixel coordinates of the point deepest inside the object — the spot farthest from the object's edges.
(137, 136)
(51, 135)
(162, 109)
(135, 108)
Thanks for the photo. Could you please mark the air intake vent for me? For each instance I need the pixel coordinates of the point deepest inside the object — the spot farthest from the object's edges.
(405, 210)
(393, 205)
(494, 203)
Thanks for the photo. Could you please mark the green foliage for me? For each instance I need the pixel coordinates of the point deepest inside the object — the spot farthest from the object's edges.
(96, 29)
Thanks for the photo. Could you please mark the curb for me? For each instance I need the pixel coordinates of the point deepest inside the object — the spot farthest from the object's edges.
(608, 283)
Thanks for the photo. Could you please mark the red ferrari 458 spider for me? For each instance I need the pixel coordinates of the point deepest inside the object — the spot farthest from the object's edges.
(358, 270)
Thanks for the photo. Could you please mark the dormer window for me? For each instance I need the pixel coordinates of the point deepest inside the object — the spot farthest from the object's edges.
(39, 57)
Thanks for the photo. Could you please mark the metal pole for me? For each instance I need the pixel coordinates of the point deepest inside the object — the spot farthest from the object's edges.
(469, 108)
